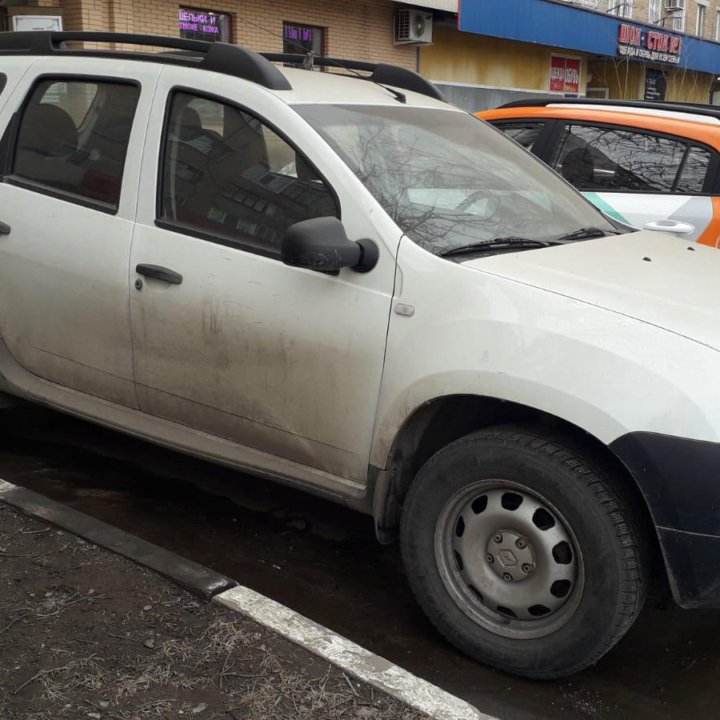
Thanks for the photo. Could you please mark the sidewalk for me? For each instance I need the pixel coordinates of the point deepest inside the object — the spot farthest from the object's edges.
(85, 633)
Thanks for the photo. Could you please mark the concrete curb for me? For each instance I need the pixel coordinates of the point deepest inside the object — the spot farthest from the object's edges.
(337, 650)
(189, 575)
(353, 659)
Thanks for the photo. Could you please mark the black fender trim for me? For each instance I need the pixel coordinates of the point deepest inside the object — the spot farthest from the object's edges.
(680, 481)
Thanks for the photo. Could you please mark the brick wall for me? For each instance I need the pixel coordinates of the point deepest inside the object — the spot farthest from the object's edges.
(354, 30)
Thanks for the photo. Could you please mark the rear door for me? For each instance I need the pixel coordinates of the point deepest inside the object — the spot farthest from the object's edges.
(648, 180)
(72, 149)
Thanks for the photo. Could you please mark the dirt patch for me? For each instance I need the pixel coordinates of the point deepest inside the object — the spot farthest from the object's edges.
(87, 634)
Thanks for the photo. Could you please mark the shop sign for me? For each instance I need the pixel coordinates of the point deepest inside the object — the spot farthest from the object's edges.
(637, 42)
(565, 74)
(655, 85)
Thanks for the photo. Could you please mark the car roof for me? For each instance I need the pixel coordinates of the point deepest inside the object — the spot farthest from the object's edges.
(339, 88)
(704, 129)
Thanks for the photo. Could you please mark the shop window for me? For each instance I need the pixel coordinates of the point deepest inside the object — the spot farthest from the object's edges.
(229, 176)
(204, 25)
(303, 39)
(605, 159)
(65, 149)
(621, 8)
(523, 133)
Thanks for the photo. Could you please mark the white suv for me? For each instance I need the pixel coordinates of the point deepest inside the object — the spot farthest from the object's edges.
(348, 286)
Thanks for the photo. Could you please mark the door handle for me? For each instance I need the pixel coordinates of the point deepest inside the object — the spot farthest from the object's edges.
(4, 228)
(160, 273)
(670, 226)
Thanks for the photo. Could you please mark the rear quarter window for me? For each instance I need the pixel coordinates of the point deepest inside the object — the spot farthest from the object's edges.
(3, 82)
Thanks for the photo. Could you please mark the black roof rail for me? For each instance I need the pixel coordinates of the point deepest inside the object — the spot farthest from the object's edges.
(215, 56)
(380, 73)
(693, 108)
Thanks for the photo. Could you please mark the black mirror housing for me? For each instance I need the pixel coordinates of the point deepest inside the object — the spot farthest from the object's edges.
(321, 244)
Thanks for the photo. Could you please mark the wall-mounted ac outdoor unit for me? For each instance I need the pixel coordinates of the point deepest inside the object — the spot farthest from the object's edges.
(674, 5)
(413, 27)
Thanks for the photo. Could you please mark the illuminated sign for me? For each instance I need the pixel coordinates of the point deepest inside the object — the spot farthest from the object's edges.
(638, 42)
(204, 25)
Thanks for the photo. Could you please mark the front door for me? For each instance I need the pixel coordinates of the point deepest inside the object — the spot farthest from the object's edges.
(227, 338)
(67, 202)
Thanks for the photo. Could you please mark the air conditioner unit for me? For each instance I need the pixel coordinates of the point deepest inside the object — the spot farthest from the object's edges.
(675, 5)
(413, 26)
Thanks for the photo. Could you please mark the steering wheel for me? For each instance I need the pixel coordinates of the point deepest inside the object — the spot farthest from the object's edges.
(471, 199)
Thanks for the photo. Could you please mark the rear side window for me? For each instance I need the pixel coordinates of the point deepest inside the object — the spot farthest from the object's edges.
(229, 176)
(525, 133)
(72, 140)
(607, 159)
(3, 82)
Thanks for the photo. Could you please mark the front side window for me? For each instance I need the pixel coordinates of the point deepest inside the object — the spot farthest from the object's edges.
(449, 180)
(606, 159)
(73, 138)
(228, 175)
(524, 133)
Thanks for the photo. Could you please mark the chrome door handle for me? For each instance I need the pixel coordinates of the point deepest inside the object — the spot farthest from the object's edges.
(670, 226)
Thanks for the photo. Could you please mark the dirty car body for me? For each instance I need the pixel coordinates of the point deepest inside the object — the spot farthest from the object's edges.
(369, 294)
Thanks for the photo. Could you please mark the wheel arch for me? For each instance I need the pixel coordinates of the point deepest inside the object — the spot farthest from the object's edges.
(439, 422)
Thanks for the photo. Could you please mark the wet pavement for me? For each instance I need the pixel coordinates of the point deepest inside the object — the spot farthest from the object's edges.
(323, 561)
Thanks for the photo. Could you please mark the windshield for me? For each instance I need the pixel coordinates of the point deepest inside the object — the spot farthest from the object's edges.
(451, 181)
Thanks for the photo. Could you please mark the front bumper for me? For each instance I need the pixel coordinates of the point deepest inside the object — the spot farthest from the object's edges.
(680, 480)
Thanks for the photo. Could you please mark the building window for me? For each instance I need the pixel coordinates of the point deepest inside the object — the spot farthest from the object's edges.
(655, 11)
(621, 8)
(717, 26)
(700, 23)
(303, 39)
(677, 17)
(204, 25)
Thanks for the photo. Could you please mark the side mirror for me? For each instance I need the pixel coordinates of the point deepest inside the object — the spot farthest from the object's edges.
(321, 244)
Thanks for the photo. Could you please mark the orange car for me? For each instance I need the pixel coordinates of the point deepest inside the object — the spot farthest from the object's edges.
(651, 165)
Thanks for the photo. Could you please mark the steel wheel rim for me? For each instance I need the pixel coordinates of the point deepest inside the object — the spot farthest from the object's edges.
(509, 559)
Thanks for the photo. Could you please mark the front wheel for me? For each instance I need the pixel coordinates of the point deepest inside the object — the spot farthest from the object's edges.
(522, 553)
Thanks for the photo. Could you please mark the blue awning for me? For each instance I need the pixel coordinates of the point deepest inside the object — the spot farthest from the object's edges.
(568, 27)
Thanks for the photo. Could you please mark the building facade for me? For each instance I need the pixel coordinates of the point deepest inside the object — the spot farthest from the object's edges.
(480, 52)
(336, 28)
(498, 50)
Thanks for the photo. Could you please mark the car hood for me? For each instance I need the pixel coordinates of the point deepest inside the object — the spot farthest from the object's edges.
(652, 277)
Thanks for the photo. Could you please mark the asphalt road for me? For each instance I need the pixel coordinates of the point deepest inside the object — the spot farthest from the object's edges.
(324, 562)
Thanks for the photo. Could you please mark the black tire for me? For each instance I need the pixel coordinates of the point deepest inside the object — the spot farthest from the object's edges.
(472, 507)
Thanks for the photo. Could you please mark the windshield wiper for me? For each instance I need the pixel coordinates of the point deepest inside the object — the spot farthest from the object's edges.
(585, 234)
(497, 244)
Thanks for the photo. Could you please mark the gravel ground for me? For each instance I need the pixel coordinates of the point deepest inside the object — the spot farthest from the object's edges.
(88, 634)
